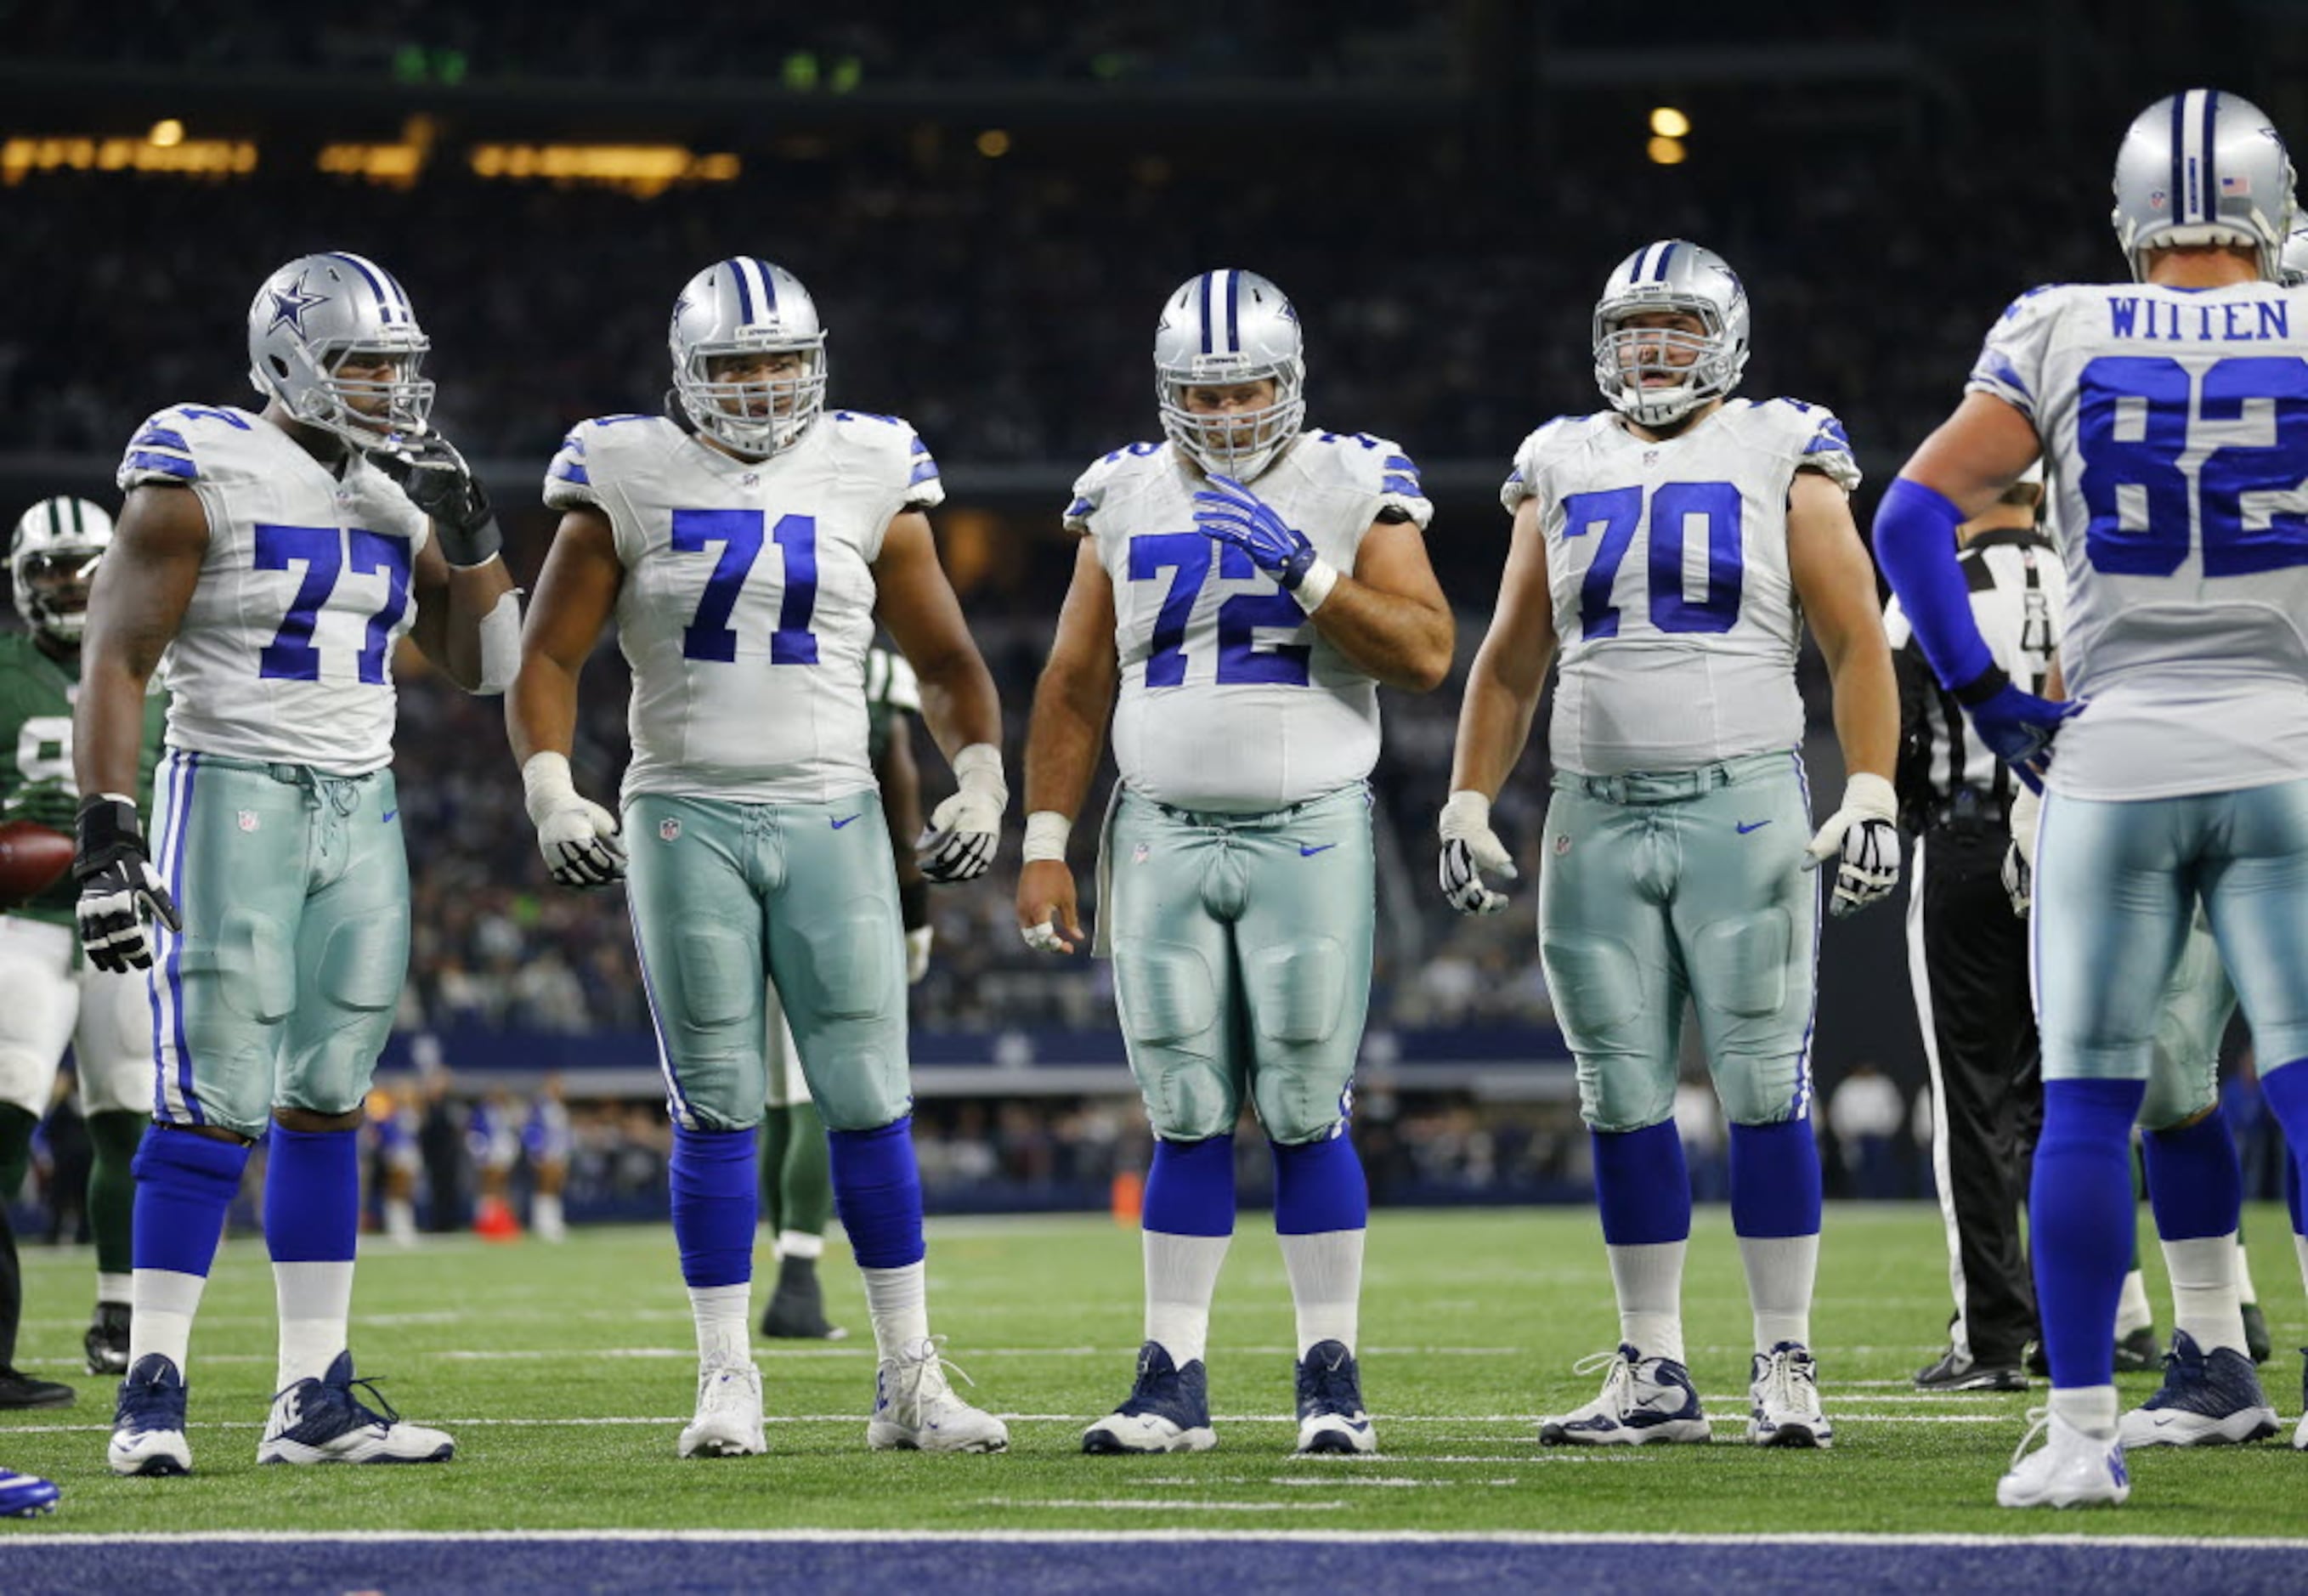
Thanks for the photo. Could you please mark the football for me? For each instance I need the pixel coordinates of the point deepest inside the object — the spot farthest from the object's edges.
(32, 856)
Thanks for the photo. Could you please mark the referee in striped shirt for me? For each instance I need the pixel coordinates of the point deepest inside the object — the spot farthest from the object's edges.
(1967, 950)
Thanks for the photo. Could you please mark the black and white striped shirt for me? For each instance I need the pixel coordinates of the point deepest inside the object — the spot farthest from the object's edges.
(2018, 596)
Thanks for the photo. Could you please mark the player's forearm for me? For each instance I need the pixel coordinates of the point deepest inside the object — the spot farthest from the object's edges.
(1493, 727)
(472, 596)
(1404, 642)
(541, 708)
(1866, 707)
(1062, 743)
(108, 728)
(959, 704)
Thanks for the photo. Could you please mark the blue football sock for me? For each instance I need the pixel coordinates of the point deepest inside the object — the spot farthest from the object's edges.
(877, 1191)
(2195, 1183)
(1775, 1181)
(185, 1185)
(1640, 1185)
(311, 1195)
(2083, 1223)
(1318, 1187)
(716, 1200)
(1190, 1188)
(2286, 1089)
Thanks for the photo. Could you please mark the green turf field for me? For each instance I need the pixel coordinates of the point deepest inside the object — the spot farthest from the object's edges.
(565, 1372)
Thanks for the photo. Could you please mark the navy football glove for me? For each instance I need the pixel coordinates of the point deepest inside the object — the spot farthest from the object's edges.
(2017, 726)
(437, 481)
(1230, 512)
(120, 892)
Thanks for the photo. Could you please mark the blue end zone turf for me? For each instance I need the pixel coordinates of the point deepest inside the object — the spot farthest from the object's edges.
(1058, 1565)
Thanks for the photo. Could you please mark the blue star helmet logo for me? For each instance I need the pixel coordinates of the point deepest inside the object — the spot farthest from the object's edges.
(289, 306)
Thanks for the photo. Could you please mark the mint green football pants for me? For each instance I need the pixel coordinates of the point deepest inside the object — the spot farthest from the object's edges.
(1242, 960)
(1682, 886)
(279, 992)
(727, 898)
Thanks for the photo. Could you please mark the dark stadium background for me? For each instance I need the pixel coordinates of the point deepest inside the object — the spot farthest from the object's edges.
(989, 203)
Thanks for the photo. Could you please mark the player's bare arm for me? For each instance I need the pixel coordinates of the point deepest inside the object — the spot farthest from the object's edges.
(959, 702)
(1836, 582)
(576, 594)
(1073, 704)
(1503, 692)
(134, 611)
(453, 602)
(1390, 617)
(1976, 453)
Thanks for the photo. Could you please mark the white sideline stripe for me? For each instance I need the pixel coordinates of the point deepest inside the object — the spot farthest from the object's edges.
(1154, 1505)
(309, 1538)
(681, 1419)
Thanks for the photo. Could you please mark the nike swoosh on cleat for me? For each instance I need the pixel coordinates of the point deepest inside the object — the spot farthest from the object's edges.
(1306, 852)
(1744, 828)
(845, 820)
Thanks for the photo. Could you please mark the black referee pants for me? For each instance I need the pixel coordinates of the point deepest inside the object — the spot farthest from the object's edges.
(1967, 958)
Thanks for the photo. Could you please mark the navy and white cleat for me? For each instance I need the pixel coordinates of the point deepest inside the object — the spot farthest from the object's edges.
(1331, 1416)
(915, 1410)
(26, 1496)
(728, 1421)
(1168, 1410)
(2072, 1469)
(2300, 1435)
(1643, 1400)
(322, 1421)
(2207, 1399)
(148, 1425)
(1783, 1394)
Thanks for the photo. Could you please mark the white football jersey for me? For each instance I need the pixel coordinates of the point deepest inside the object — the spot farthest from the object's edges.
(285, 653)
(748, 607)
(1230, 700)
(2174, 424)
(1675, 608)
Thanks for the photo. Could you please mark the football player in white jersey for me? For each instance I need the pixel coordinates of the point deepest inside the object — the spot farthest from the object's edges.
(2168, 412)
(1246, 586)
(1665, 549)
(267, 563)
(747, 551)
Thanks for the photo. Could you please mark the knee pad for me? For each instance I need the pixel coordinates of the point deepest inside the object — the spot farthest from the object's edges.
(1595, 982)
(1298, 990)
(1740, 964)
(1620, 1093)
(1770, 1089)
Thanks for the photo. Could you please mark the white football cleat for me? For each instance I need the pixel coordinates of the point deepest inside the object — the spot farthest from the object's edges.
(322, 1421)
(1783, 1393)
(2072, 1469)
(728, 1422)
(1643, 1400)
(915, 1410)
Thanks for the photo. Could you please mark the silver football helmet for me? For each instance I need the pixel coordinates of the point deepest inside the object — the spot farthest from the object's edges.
(2202, 166)
(52, 559)
(1224, 327)
(743, 306)
(314, 312)
(2292, 266)
(1670, 275)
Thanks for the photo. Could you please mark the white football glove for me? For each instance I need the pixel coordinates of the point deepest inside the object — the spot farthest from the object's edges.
(959, 845)
(2019, 858)
(1865, 832)
(579, 838)
(917, 952)
(1469, 848)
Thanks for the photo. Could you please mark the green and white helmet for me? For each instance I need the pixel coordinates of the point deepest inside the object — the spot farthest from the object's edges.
(52, 559)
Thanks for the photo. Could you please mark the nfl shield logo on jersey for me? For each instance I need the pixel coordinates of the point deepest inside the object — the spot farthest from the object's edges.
(247, 818)
(669, 830)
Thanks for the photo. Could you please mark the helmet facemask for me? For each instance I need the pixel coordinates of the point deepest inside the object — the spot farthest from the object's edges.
(1705, 364)
(1237, 443)
(755, 419)
(363, 412)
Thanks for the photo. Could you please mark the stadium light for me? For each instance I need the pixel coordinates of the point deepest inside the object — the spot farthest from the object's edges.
(1665, 151)
(642, 170)
(993, 143)
(189, 157)
(166, 133)
(1670, 124)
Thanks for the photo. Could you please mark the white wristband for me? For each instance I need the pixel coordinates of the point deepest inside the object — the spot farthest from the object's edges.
(1465, 811)
(544, 784)
(1316, 586)
(1871, 795)
(979, 768)
(1047, 831)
